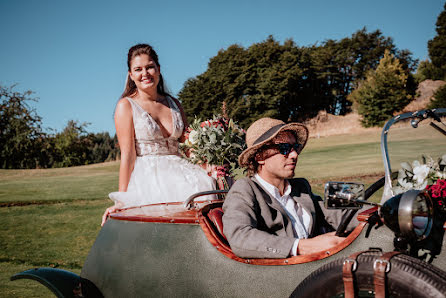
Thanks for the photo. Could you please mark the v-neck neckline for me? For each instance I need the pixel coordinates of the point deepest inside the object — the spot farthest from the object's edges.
(157, 124)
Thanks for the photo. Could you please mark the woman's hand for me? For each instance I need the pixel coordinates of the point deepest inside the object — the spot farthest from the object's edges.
(110, 210)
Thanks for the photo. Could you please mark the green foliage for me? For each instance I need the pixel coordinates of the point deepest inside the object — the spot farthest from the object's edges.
(426, 70)
(437, 49)
(218, 141)
(71, 145)
(20, 130)
(285, 81)
(74, 146)
(104, 147)
(25, 145)
(342, 64)
(439, 100)
(383, 92)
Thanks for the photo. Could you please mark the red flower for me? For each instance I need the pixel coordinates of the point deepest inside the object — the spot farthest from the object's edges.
(437, 190)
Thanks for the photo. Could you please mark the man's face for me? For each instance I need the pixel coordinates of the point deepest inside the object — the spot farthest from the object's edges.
(277, 165)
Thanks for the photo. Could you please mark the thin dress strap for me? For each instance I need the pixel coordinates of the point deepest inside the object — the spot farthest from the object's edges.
(177, 119)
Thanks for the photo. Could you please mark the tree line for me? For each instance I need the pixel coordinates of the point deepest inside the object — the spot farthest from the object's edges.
(289, 82)
(24, 144)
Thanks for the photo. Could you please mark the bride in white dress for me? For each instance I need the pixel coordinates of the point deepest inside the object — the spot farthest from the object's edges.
(149, 125)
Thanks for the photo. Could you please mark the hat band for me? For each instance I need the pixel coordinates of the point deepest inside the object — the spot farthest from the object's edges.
(270, 132)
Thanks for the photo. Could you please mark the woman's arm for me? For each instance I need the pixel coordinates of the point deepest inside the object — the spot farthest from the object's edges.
(183, 116)
(126, 140)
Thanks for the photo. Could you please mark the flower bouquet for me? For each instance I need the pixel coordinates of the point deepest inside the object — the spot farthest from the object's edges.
(214, 144)
(428, 174)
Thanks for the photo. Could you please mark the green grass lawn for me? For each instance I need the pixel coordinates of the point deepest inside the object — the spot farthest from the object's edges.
(51, 217)
(92, 182)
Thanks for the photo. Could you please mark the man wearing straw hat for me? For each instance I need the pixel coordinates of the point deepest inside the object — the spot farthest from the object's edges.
(269, 214)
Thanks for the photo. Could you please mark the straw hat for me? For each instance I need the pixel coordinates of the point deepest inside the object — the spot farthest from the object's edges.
(264, 130)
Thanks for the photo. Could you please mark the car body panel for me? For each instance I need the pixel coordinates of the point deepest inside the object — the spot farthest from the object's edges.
(147, 258)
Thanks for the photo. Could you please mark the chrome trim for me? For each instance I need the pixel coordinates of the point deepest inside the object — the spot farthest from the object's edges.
(188, 204)
(349, 260)
(405, 211)
(381, 262)
(405, 214)
(421, 115)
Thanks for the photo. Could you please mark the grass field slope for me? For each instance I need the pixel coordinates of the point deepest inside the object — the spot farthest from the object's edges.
(51, 217)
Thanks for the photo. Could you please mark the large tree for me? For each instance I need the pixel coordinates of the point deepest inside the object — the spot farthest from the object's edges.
(383, 92)
(436, 69)
(21, 135)
(342, 64)
(439, 98)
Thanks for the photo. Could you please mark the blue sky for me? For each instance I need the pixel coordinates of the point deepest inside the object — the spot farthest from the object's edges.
(72, 54)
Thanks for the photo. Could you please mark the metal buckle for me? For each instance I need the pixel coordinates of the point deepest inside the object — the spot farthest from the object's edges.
(382, 262)
(355, 264)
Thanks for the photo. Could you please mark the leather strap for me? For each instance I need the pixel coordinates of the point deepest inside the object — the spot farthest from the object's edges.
(350, 265)
(381, 266)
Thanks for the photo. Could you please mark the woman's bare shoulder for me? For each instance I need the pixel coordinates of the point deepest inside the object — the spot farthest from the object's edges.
(123, 102)
(124, 105)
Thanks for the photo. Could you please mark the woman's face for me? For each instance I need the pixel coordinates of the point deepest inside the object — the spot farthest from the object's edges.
(144, 72)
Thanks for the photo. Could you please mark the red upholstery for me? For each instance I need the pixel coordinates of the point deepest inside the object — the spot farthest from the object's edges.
(215, 215)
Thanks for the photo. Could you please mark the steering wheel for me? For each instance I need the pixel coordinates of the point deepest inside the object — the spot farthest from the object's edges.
(340, 231)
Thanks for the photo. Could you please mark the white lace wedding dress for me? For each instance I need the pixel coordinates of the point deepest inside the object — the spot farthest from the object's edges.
(160, 175)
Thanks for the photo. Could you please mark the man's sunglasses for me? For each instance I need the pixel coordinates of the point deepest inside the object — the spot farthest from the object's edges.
(286, 148)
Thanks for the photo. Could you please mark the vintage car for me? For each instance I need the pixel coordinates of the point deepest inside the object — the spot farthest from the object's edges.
(179, 249)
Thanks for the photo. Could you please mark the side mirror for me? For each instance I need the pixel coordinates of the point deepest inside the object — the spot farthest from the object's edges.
(343, 195)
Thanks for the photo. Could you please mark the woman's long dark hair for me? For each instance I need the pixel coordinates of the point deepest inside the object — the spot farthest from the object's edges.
(139, 49)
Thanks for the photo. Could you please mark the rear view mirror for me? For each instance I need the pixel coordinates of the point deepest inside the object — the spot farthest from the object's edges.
(343, 195)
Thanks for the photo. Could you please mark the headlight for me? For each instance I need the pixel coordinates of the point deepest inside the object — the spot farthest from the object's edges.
(409, 215)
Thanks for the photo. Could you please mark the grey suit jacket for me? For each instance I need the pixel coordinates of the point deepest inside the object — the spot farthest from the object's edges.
(257, 226)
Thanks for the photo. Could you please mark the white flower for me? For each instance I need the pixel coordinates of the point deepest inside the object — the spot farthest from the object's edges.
(213, 138)
(415, 164)
(404, 184)
(406, 166)
(193, 137)
(422, 186)
(420, 173)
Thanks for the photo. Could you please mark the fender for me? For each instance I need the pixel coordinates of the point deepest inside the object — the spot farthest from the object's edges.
(61, 282)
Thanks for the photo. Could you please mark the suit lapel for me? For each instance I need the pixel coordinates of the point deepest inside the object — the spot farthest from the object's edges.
(274, 204)
(269, 199)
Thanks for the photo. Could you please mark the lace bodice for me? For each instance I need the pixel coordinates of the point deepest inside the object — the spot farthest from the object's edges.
(149, 139)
